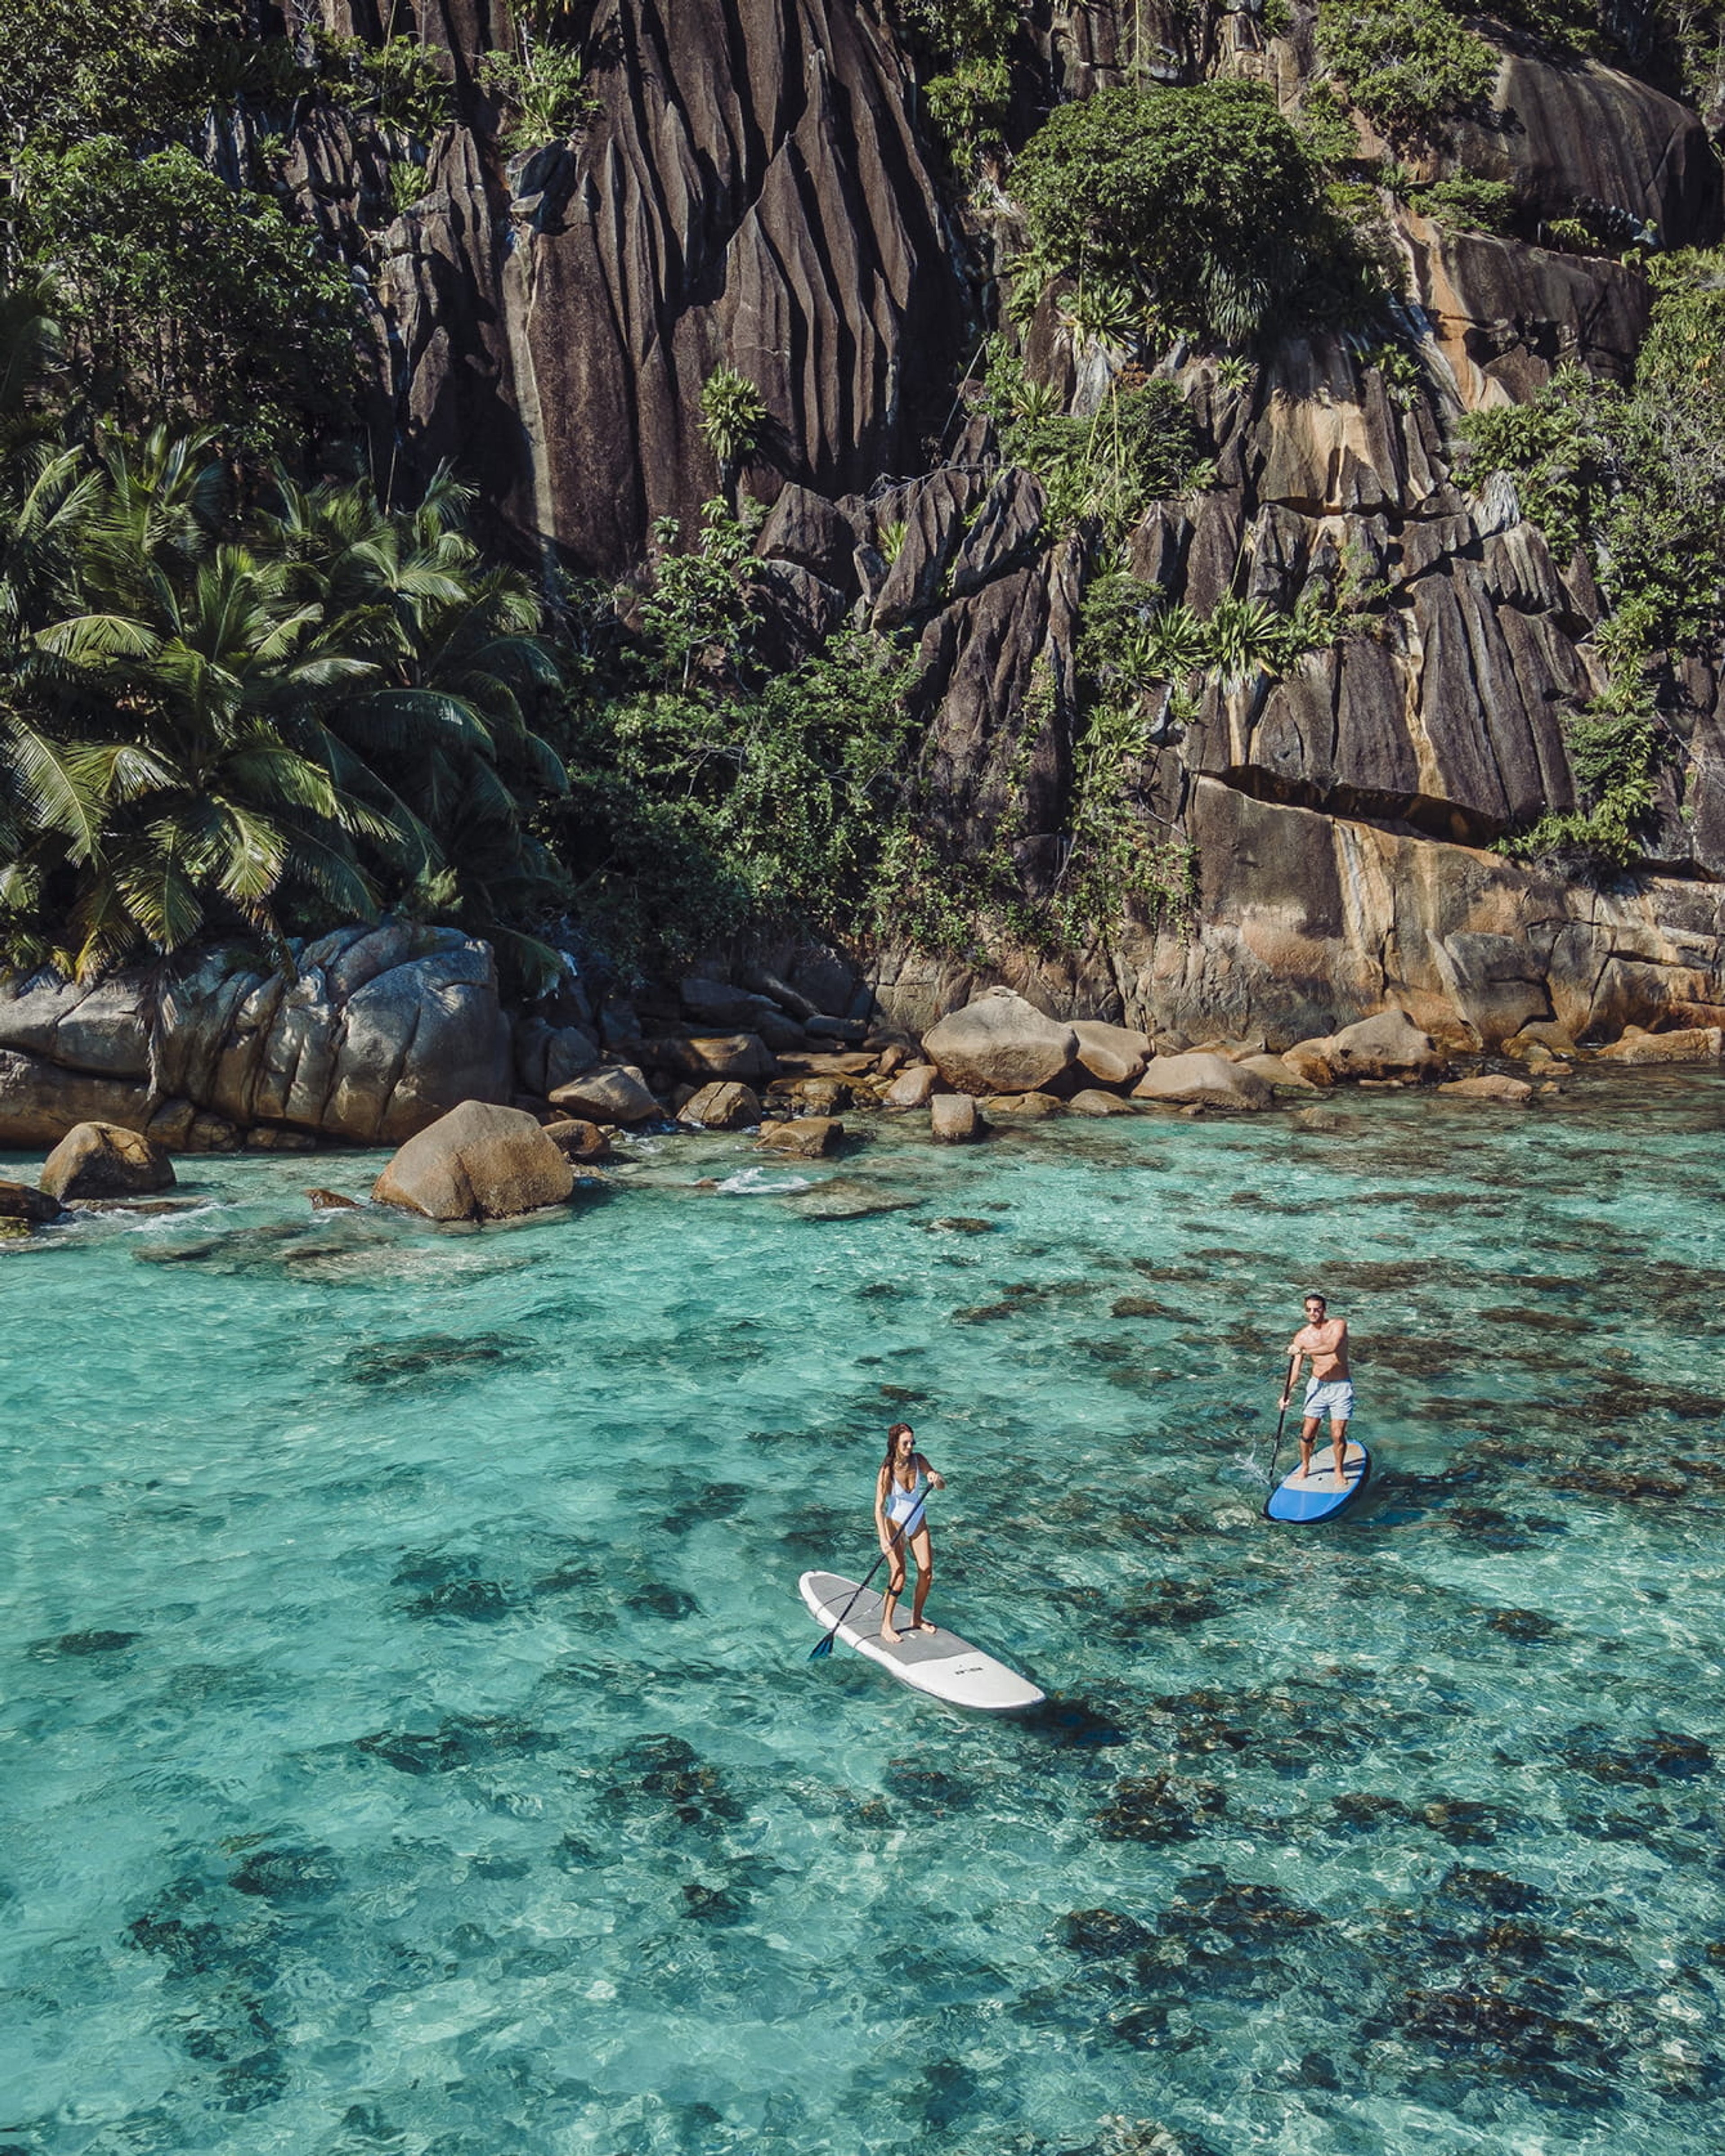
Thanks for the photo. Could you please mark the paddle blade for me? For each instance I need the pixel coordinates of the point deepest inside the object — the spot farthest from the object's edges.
(821, 1649)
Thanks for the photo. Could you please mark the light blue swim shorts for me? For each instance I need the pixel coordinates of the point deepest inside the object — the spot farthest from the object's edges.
(1333, 1399)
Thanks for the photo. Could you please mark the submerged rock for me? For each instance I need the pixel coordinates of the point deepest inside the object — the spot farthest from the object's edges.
(478, 1162)
(105, 1160)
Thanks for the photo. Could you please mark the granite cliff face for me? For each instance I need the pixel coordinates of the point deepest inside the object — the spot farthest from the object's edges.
(754, 186)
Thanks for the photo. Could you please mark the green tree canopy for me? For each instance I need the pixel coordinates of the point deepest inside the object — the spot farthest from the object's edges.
(1207, 198)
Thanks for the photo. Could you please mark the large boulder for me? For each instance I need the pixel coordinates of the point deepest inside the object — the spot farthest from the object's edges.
(614, 1094)
(1386, 1046)
(105, 1160)
(722, 1106)
(1691, 1043)
(1203, 1081)
(1110, 1055)
(478, 1162)
(1000, 1044)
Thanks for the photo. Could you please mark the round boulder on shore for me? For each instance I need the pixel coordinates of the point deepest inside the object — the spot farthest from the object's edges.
(105, 1160)
(478, 1162)
(1000, 1044)
(1201, 1080)
(1494, 1087)
(615, 1094)
(1094, 1101)
(723, 1106)
(1110, 1055)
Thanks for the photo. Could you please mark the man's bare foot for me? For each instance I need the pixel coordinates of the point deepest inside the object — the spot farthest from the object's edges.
(892, 1639)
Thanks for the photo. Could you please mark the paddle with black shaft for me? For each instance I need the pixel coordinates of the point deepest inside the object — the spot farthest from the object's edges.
(1287, 1394)
(823, 1647)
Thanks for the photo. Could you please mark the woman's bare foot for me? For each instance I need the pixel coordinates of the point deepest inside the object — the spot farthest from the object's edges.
(922, 1624)
(892, 1639)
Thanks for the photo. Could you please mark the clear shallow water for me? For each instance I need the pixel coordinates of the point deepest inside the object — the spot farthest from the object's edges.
(409, 1744)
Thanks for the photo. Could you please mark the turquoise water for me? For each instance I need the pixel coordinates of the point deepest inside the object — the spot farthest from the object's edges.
(410, 1744)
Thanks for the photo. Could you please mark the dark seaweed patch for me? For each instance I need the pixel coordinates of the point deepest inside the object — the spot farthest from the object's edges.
(288, 1876)
(667, 1771)
(1160, 1808)
(80, 1645)
(432, 1359)
(461, 1741)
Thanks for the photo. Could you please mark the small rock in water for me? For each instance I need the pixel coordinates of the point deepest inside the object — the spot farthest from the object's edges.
(810, 1137)
(30, 1209)
(958, 1224)
(1494, 1087)
(954, 1119)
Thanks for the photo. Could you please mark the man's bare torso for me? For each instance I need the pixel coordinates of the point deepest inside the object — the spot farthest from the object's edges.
(1326, 1344)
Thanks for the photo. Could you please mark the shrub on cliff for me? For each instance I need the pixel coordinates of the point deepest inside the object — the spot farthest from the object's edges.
(1206, 199)
(1408, 65)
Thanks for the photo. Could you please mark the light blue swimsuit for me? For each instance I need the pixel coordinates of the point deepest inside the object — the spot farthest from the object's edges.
(904, 1507)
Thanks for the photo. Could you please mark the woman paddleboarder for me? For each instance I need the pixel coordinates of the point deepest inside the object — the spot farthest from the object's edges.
(900, 1491)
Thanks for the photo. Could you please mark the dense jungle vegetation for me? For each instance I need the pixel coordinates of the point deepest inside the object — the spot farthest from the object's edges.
(244, 690)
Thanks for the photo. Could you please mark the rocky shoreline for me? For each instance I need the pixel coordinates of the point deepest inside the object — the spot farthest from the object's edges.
(398, 1035)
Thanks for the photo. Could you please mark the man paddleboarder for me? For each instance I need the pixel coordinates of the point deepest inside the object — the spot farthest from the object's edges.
(1329, 1390)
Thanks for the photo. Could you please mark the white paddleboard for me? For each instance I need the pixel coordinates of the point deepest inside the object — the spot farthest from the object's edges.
(938, 1662)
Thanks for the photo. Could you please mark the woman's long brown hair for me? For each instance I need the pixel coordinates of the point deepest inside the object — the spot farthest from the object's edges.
(899, 1429)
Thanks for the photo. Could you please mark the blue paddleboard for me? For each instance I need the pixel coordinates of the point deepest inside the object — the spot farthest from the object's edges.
(1302, 1501)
